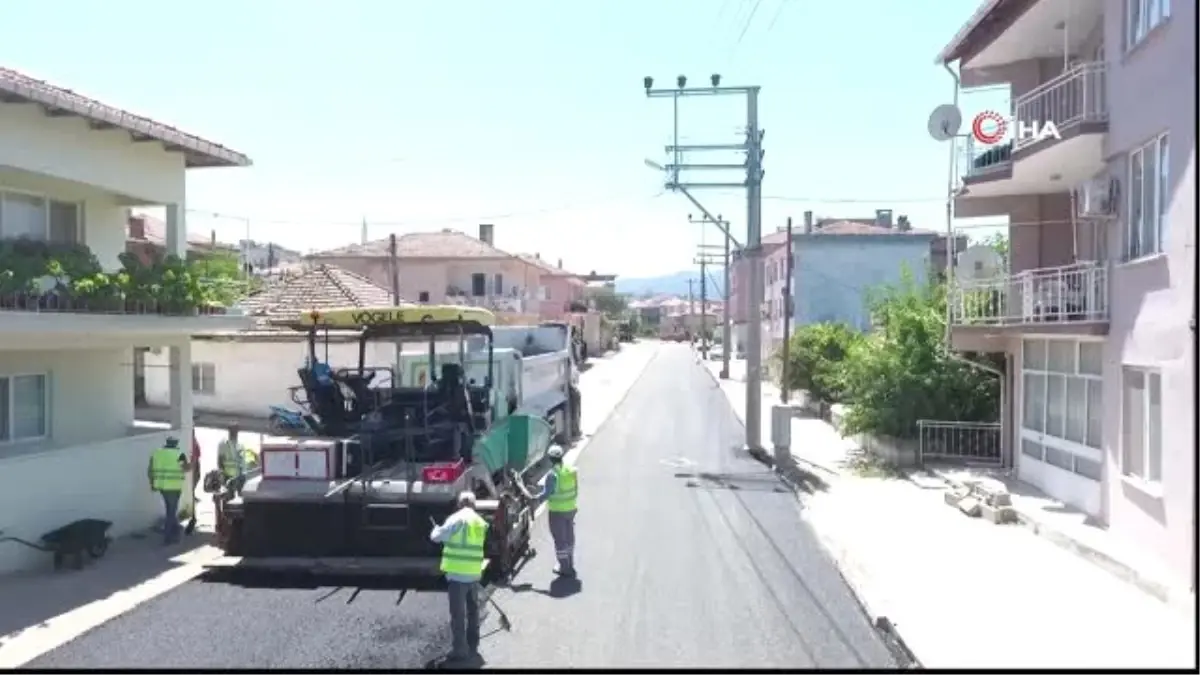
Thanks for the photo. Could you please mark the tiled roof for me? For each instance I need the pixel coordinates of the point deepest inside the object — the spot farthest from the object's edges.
(547, 268)
(198, 152)
(317, 287)
(444, 244)
(154, 231)
(859, 227)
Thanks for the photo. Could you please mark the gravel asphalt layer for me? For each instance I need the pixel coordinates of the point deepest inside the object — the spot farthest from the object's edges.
(690, 553)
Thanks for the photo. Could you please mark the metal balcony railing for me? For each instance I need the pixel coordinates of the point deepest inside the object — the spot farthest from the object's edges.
(1072, 293)
(980, 159)
(495, 303)
(68, 300)
(1076, 96)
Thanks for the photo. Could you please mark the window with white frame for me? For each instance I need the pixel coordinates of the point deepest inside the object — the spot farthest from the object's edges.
(1141, 424)
(1149, 197)
(24, 407)
(204, 378)
(35, 217)
(1143, 16)
(1062, 417)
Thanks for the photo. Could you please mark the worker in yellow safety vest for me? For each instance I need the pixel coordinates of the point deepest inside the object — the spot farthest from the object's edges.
(167, 474)
(561, 491)
(231, 458)
(462, 537)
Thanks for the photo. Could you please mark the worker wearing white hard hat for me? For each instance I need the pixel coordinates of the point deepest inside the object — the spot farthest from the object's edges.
(462, 537)
(561, 491)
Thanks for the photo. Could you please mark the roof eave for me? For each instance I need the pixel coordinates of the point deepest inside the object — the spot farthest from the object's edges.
(952, 52)
(197, 151)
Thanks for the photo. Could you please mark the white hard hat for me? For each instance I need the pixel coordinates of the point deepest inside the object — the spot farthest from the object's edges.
(555, 452)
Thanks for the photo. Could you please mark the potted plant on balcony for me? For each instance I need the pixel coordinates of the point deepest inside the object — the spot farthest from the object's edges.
(99, 292)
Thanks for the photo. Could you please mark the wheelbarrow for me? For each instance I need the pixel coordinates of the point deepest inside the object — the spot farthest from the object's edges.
(70, 542)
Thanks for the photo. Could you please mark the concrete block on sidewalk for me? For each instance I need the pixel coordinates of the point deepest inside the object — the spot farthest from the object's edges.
(953, 497)
(970, 506)
(998, 515)
(992, 492)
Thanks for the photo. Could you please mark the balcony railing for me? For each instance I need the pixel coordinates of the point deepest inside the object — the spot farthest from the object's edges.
(495, 303)
(980, 159)
(1078, 95)
(63, 299)
(1075, 293)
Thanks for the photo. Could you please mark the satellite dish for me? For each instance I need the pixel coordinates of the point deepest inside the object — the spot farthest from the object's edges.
(944, 122)
(978, 262)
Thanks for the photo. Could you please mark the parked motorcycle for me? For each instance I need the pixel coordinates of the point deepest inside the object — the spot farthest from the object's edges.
(283, 422)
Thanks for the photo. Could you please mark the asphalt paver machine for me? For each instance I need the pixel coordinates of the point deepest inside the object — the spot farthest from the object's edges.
(391, 459)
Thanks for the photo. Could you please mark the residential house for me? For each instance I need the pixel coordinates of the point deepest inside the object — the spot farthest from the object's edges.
(146, 238)
(557, 289)
(221, 381)
(1096, 313)
(265, 256)
(71, 168)
(774, 254)
(447, 267)
(838, 265)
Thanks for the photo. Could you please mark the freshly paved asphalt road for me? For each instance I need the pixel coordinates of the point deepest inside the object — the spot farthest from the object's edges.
(690, 554)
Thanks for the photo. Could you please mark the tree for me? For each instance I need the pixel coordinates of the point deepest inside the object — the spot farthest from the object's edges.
(609, 302)
(999, 243)
(815, 359)
(902, 373)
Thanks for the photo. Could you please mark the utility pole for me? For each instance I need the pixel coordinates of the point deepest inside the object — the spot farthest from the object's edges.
(691, 302)
(394, 269)
(726, 316)
(704, 259)
(787, 315)
(752, 146)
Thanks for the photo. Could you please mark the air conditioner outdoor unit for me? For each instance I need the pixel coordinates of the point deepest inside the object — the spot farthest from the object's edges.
(1097, 198)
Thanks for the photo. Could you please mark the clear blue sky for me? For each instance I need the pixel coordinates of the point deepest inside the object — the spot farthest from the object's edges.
(527, 113)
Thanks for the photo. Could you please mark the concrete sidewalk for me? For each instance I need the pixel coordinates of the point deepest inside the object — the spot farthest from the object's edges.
(963, 593)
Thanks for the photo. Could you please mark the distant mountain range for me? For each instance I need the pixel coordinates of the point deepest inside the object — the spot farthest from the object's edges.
(668, 284)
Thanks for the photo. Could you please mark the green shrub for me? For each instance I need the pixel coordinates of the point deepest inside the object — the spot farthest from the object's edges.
(901, 372)
(815, 356)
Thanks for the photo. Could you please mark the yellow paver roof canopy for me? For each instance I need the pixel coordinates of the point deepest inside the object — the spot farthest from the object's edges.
(360, 317)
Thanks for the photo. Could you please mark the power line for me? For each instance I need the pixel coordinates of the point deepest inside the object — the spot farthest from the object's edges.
(778, 13)
(423, 221)
(742, 34)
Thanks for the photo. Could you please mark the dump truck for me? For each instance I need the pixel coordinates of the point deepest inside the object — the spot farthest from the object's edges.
(390, 460)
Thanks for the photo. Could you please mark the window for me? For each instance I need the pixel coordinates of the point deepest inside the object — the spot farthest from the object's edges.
(1143, 16)
(1141, 424)
(204, 378)
(423, 296)
(478, 284)
(498, 285)
(543, 293)
(24, 407)
(1062, 407)
(1148, 199)
(35, 217)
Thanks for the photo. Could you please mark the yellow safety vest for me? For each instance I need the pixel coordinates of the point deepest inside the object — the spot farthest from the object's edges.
(566, 489)
(166, 474)
(232, 459)
(462, 554)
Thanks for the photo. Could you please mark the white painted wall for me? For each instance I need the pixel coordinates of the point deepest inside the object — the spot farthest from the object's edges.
(104, 217)
(90, 467)
(66, 148)
(91, 395)
(250, 376)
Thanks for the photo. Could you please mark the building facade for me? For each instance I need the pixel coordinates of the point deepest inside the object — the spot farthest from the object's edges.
(1096, 311)
(71, 168)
